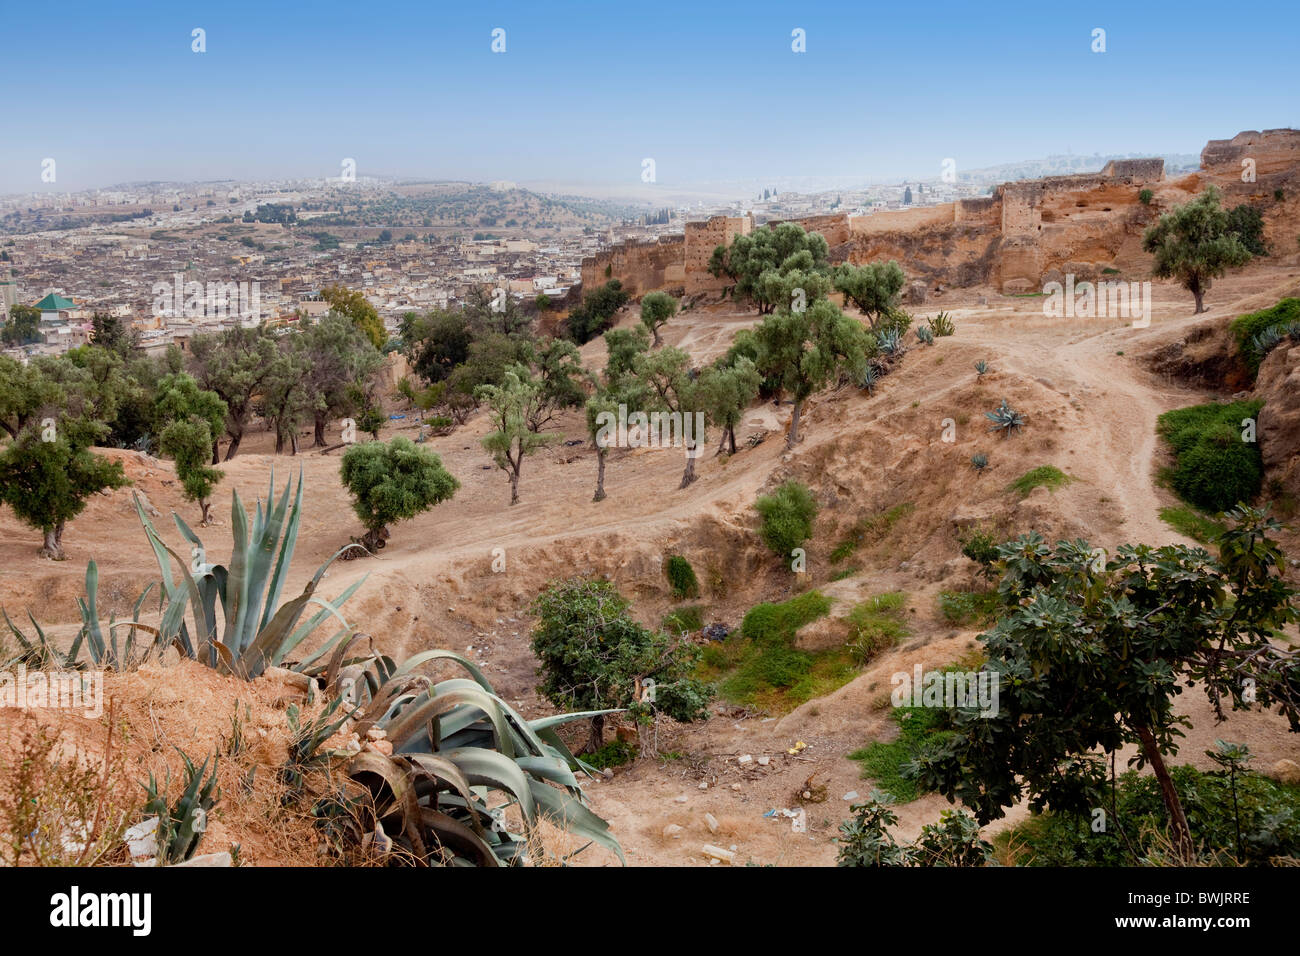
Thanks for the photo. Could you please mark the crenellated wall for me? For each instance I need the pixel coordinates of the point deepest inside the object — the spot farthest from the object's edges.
(1012, 239)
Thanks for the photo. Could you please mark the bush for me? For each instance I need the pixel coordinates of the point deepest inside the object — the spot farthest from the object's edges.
(1145, 197)
(685, 620)
(1048, 476)
(1245, 328)
(787, 516)
(1269, 816)
(1213, 468)
(981, 547)
(875, 626)
(681, 577)
(776, 623)
(919, 729)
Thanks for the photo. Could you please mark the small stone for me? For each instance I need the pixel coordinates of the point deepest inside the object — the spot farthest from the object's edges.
(718, 854)
(735, 786)
(673, 831)
(704, 785)
(607, 773)
(682, 799)
(764, 761)
(744, 758)
(384, 747)
(711, 822)
(376, 733)
(851, 795)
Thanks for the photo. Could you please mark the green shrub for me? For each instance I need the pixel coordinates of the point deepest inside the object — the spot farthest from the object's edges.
(919, 729)
(876, 625)
(787, 516)
(681, 577)
(980, 546)
(942, 325)
(1046, 475)
(759, 666)
(1213, 468)
(616, 753)
(1245, 328)
(1269, 815)
(773, 624)
(968, 608)
(1145, 197)
(685, 620)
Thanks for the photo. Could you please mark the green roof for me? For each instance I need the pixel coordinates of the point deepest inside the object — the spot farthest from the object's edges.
(53, 303)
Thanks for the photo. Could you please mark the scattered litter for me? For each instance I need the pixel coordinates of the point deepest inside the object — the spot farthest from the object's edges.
(718, 854)
(764, 761)
(798, 748)
(744, 758)
(711, 822)
(851, 795)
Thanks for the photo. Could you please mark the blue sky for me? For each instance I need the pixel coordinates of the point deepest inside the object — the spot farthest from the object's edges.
(584, 91)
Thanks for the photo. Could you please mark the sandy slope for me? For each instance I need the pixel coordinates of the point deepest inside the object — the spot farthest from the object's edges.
(1091, 412)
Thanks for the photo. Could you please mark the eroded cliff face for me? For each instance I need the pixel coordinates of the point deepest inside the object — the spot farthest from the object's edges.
(1279, 420)
(1027, 233)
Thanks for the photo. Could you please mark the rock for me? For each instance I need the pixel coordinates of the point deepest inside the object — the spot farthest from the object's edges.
(1286, 771)
(376, 733)
(718, 853)
(744, 759)
(711, 822)
(735, 786)
(764, 761)
(384, 747)
(851, 795)
(704, 785)
(682, 799)
(673, 831)
(916, 293)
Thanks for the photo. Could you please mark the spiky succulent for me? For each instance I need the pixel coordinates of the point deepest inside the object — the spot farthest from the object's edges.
(254, 631)
(942, 325)
(890, 340)
(1005, 419)
(460, 758)
(981, 367)
(181, 825)
(979, 461)
(868, 378)
(924, 335)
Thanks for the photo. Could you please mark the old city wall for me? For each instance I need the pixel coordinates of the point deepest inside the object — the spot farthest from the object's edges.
(1021, 236)
(641, 266)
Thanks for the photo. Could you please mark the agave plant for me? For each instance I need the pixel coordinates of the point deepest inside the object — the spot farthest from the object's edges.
(461, 758)
(181, 825)
(1267, 339)
(101, 651)
(979, 461)
(924, 335)
(253, 631)
(890, 341)
(942, 325)
(1005, 419)
(868, 378)
(981, 367)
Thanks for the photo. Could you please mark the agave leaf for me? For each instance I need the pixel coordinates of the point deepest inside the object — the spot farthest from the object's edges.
(235, 596)
(266, 535)
(422, 657)
(443, 771)
(551, 768)
(567, 812)
(460, 839)
(498, 772)
(281, 572)
(413, 718)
